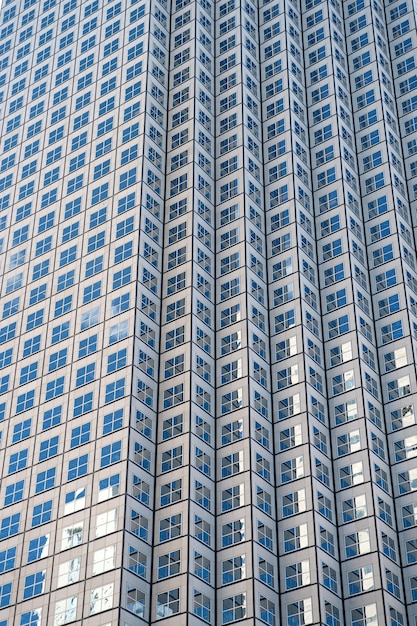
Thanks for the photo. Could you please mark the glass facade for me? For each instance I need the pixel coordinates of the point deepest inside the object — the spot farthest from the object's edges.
(208, 333)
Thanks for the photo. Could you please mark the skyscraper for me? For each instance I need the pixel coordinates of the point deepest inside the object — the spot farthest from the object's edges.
(208, 336)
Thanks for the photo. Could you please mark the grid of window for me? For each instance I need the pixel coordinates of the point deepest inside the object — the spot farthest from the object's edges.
(207, 241)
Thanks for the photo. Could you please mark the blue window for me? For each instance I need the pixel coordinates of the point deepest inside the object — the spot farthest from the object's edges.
(78, 467)
(75, 183)
(122, 277)
(98, 217)
(60, 332)
(134, 51)
(31, 346)
(109, 67)
(49, 177)
(85, 81)
(127, 179)
(105, 127)
(49, 198)
(11, 307)
(38, 548)
(34, 320)
(25, 401)
(60, 95)
(130, 133)
(6, 357)
(125, 227)
(9, 526)
(111, 454)
(96, 241)
(82, 120)
(80, 434)
(23, 211)
(76, 162)
(36, 110)
(21, 431)
(34, 585)
(83, 404)
(107, 106)
(45, 480)
(5, 595)
(8, 162)
(72, 208)
(115, 26)
(116, 361)
(79, 141)
(118, 332)
(10, 143)
(120, 304)
(37, 92)
(42, 513)
(40, 269)
(13, 283)
(109, 487)
(85, 374)
(55, 388)
(114, 390)
(9, 14)
(7, 332)
(47, 221)
(18, 460)
(6, 182)
(57, 359)
(129, 155)
(124, 252)
(100, 170)
(14, 493)
(25, 191)
(89, 26)
(100, 193)
(20, 235)
(70, 232)
(91, 292)
(103, 148)
(4, 383)
(43, 246)
(7, 560)
(126, 203)
(75, 498)
(48, 448)
(56, 135)
(37, 294)
(110, 48)
(86, 62)
(63, 58)
(63, 306)
(112, 421)
(44, 54)
(35, 128)
(65, 280)
(28, 373)
(52, 417)
(94, 266)
(67, 256)
(31, 149)
(133, 90)
(53, 155)
(88, 43)
(90, 318)
(87, 346)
